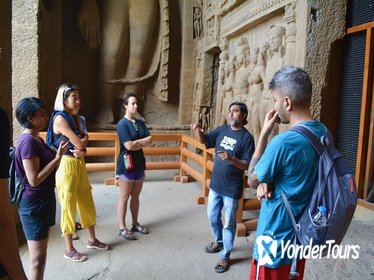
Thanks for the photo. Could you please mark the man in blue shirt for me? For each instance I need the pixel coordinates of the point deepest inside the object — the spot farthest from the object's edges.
(234, 147)
(289, 164)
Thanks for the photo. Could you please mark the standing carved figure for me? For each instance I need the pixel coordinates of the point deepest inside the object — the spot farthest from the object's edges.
(240, 86)
(274, 62)
(130, 53)
(197, 23)
(227, 90)
(255, 80)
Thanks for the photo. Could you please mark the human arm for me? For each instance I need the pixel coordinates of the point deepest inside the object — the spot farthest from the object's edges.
(89, 23)
(144, 141)
(137, 144)
(270, 119)
(241, 164)
(60, 125)
(32, 165)
(199, 131)
(9, 253)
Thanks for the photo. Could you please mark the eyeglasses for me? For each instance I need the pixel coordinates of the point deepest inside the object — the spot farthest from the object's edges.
(135, 125)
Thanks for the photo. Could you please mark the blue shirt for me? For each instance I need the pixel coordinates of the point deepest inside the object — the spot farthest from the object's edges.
(291, 163)
(227, 178)
(129, 131)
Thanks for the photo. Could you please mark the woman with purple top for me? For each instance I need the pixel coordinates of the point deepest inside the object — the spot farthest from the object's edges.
(37, 162)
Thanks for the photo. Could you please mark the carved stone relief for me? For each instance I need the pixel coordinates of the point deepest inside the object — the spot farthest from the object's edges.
(197, 23)
(249, 59)
(129, 54)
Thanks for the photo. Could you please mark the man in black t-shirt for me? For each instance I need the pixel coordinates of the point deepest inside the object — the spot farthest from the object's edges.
(10, 261)
(234, 147)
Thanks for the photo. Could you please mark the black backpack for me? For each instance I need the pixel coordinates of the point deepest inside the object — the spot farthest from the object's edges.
(335, 189)
(15, 185)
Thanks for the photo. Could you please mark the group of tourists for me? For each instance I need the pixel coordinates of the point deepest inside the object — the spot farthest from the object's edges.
(59, 162)
(273, 167)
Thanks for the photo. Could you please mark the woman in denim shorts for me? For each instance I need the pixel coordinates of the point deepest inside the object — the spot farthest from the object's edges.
(133, 136)
(37, 162)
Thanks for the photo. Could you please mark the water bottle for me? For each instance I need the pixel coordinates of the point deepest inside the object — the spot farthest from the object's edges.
(320, 218)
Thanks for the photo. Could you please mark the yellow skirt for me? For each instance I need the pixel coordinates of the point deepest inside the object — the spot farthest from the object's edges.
(74, 192)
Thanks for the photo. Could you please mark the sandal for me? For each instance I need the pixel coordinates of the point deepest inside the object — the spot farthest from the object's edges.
(139, 228)
(98, 245)
(222, 266)
(127, 234)
(75, 256)
(78, 226)
(75, 236)
(212, 247)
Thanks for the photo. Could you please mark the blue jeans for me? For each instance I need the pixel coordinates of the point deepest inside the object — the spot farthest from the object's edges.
(223, 234)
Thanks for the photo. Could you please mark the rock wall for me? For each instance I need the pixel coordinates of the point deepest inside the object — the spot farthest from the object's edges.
(213, 52)
(25, 53)
(256, 38)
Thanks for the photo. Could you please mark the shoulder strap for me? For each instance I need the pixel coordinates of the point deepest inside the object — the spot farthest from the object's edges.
(313, 139)
(289, 211)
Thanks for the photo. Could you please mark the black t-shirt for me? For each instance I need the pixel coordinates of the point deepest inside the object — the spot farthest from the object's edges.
(227, 179)
(4, 144)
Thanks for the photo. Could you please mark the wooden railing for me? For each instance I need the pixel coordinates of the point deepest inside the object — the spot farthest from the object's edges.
(194, 162)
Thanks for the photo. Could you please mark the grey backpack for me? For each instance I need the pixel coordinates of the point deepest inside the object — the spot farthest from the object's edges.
(16, 185)
(334, 189)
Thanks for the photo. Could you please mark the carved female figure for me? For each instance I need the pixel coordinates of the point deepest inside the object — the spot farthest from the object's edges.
(275, 61)
(256, 86)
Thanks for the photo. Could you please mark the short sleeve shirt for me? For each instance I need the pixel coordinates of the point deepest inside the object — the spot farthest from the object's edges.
(131, 131)
(30, 147)
(227, 178)
(291, 164)
(4, 145)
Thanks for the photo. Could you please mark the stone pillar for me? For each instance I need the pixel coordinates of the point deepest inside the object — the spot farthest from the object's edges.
(326, 25)
(188, 64)
(25, 66)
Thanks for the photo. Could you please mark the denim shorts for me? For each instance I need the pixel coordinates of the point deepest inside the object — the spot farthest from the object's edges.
(132, 177)
(37, 215)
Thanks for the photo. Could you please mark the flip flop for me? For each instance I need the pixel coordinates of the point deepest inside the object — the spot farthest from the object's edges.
(212, 248)
(220, 268)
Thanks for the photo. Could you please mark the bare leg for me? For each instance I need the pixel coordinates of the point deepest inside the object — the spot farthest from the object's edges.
(91, 233)
(38, 258)
(125, 190)
(68, 242)
(134, 204)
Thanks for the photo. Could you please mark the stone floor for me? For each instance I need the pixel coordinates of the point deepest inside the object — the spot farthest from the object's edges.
(178, 233)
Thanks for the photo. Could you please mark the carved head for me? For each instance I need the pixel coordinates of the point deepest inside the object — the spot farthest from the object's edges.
(276, 36)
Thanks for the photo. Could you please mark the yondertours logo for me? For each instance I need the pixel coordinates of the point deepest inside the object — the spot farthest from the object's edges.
(267, 247)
